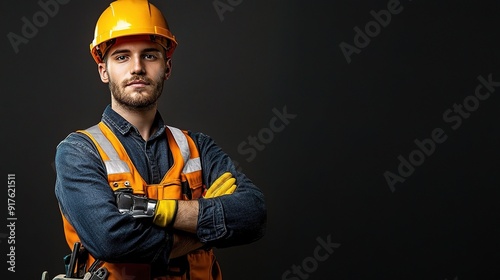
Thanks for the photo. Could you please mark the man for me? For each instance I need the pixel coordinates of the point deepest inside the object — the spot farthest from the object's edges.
(146, 200)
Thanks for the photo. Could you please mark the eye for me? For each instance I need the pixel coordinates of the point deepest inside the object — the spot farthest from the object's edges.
(120, 57)
(150, 56)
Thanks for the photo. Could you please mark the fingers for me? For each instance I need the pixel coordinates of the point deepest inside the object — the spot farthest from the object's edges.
(225, 187)
(225, 184)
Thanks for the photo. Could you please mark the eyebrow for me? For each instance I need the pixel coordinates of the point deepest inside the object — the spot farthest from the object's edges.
(120, 51)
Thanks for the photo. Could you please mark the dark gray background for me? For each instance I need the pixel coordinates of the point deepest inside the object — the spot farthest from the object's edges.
(323, 174)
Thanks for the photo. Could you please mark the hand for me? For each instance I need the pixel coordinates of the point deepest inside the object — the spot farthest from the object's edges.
(184, 243)
(222, 186)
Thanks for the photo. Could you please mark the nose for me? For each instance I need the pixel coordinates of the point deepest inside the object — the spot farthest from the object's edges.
(137, 66)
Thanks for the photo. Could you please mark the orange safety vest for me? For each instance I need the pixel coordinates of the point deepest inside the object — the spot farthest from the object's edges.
(184, 173)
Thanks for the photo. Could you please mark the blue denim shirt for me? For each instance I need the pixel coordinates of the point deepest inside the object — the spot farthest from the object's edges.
(87, 201)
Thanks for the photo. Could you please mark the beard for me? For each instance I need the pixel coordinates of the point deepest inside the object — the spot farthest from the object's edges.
(139, 98)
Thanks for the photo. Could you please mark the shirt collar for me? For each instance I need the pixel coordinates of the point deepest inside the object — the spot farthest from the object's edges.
(121, 125)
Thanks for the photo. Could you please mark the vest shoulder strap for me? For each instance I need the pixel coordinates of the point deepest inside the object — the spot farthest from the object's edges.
(188, 149)
(114, 162)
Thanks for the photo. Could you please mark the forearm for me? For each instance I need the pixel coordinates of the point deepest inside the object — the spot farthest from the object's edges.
(186, 222)
(186, 218)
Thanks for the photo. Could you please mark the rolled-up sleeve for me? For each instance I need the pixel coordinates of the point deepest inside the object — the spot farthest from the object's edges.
(228, 220)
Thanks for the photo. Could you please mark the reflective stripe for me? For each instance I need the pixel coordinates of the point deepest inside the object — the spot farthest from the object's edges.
(114, 165)
(192, 165)
(181, 140)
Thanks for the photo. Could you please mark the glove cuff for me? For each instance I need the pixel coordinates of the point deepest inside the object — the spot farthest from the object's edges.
(165, 212)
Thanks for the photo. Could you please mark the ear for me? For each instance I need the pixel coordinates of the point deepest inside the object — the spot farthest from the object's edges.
(168, 68)
(103, 72)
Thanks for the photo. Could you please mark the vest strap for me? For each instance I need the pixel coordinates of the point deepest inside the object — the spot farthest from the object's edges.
(114, 165)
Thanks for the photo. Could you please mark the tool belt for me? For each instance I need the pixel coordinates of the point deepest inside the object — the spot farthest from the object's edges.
(191, 266)
(76, 267)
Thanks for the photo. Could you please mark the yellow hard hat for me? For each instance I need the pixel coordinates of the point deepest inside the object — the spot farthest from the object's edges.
(130, 17)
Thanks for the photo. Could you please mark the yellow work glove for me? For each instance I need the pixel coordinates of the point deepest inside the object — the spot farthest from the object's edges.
(165, 212)
(222, 186)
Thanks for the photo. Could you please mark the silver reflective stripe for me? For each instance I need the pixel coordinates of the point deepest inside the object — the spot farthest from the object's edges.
(181, 140)
(114, 165)
(190, 165)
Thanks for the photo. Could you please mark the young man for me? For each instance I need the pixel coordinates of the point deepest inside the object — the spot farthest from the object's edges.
(146, 200)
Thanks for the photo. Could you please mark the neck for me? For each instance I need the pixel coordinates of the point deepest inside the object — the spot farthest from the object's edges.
(140, 119)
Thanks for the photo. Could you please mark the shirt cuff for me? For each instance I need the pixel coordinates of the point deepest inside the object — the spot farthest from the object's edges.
(211, 220)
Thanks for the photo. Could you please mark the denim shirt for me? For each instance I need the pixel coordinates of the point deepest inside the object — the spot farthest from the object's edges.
(88, 203)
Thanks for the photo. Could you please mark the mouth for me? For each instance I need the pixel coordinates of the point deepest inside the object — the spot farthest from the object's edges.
(137, 83)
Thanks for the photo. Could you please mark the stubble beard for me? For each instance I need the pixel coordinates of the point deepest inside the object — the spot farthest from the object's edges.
(141, 100)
